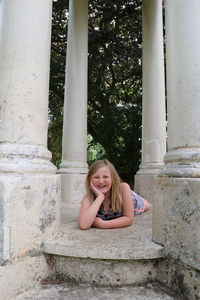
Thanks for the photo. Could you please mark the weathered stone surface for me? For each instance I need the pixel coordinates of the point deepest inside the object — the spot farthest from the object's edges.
(73, 187)
(97, 255)
(144, 186)
(30, 212)
(84, 292)
(22, 275)
(183, 162)
(20, 159)
(176, 218)
(115, 244)
(180, 277)
(104, 272)
(134, 242)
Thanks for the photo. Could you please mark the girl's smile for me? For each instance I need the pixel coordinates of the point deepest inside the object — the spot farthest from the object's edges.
(102, 180)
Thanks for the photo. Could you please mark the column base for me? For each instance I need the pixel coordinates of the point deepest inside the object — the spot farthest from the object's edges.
(144, 180)
(184, 162)
(150, 168)
(68, 167)
(176, 218)
(25, 158)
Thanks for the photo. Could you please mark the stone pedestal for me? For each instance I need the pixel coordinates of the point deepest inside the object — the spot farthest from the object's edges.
(74, 149)
(176, 220)
(176, 209)
(144, 186)
(73, 188)
(30, 213)
(153, 100)
(29, 188)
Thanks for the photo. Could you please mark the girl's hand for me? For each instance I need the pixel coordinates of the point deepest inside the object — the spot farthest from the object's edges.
(96, 191)
(98, 222)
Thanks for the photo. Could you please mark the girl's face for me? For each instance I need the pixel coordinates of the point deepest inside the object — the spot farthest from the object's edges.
(102, 180)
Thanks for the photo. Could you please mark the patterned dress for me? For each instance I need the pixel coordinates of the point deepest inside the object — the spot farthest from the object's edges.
(109, 214)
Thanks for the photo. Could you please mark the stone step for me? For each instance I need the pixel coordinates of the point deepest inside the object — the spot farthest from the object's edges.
(114, 257)
(71, 291)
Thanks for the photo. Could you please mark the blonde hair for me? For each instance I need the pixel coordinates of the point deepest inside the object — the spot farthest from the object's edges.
(116, 192)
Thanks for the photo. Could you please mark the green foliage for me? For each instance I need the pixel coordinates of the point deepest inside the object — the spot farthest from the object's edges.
(57, 79)
(95, 151)
(114, 82)
(114, 101)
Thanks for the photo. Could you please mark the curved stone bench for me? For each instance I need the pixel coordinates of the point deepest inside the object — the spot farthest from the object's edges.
(113, 257)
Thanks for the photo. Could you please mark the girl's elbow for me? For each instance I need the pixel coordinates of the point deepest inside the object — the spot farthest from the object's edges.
(83, 226)
(130, 221)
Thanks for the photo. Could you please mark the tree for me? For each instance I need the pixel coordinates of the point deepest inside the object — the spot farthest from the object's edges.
(114, 101)
(57, 79)
(114, 81)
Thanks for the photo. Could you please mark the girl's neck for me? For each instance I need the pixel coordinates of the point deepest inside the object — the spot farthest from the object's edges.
(107, 203)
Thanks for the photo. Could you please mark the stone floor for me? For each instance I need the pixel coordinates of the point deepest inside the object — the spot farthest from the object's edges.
(68, 291)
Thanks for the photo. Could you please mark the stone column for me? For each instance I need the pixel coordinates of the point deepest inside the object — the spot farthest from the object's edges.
(183, 75)
(74, 150)
(24, 86)
(29, 186)
(153, 101)
(176, 219)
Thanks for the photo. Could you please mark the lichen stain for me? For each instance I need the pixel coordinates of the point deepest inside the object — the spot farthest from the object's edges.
(26, 187)
(29, 252)
(49, 262)
(45, 192)
(46, 221)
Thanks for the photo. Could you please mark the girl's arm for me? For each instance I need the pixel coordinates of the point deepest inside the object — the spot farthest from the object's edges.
(128, 212)
(89, 210)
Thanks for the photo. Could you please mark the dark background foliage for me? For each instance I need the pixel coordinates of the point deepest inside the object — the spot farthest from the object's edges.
(114, 81)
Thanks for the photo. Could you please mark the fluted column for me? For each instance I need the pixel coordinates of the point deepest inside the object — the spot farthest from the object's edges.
(153, 100)
(183, 46)
(74, 149)
(25, 35)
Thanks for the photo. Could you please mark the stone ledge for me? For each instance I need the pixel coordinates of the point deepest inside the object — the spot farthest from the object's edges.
(131, 250)
(138, 253)
(130, 243)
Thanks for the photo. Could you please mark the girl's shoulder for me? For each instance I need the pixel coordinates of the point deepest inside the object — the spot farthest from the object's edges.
(86, 201)
(86, 198)
(125, 185)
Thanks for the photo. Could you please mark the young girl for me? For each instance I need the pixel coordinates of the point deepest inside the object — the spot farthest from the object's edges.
(108, 202)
